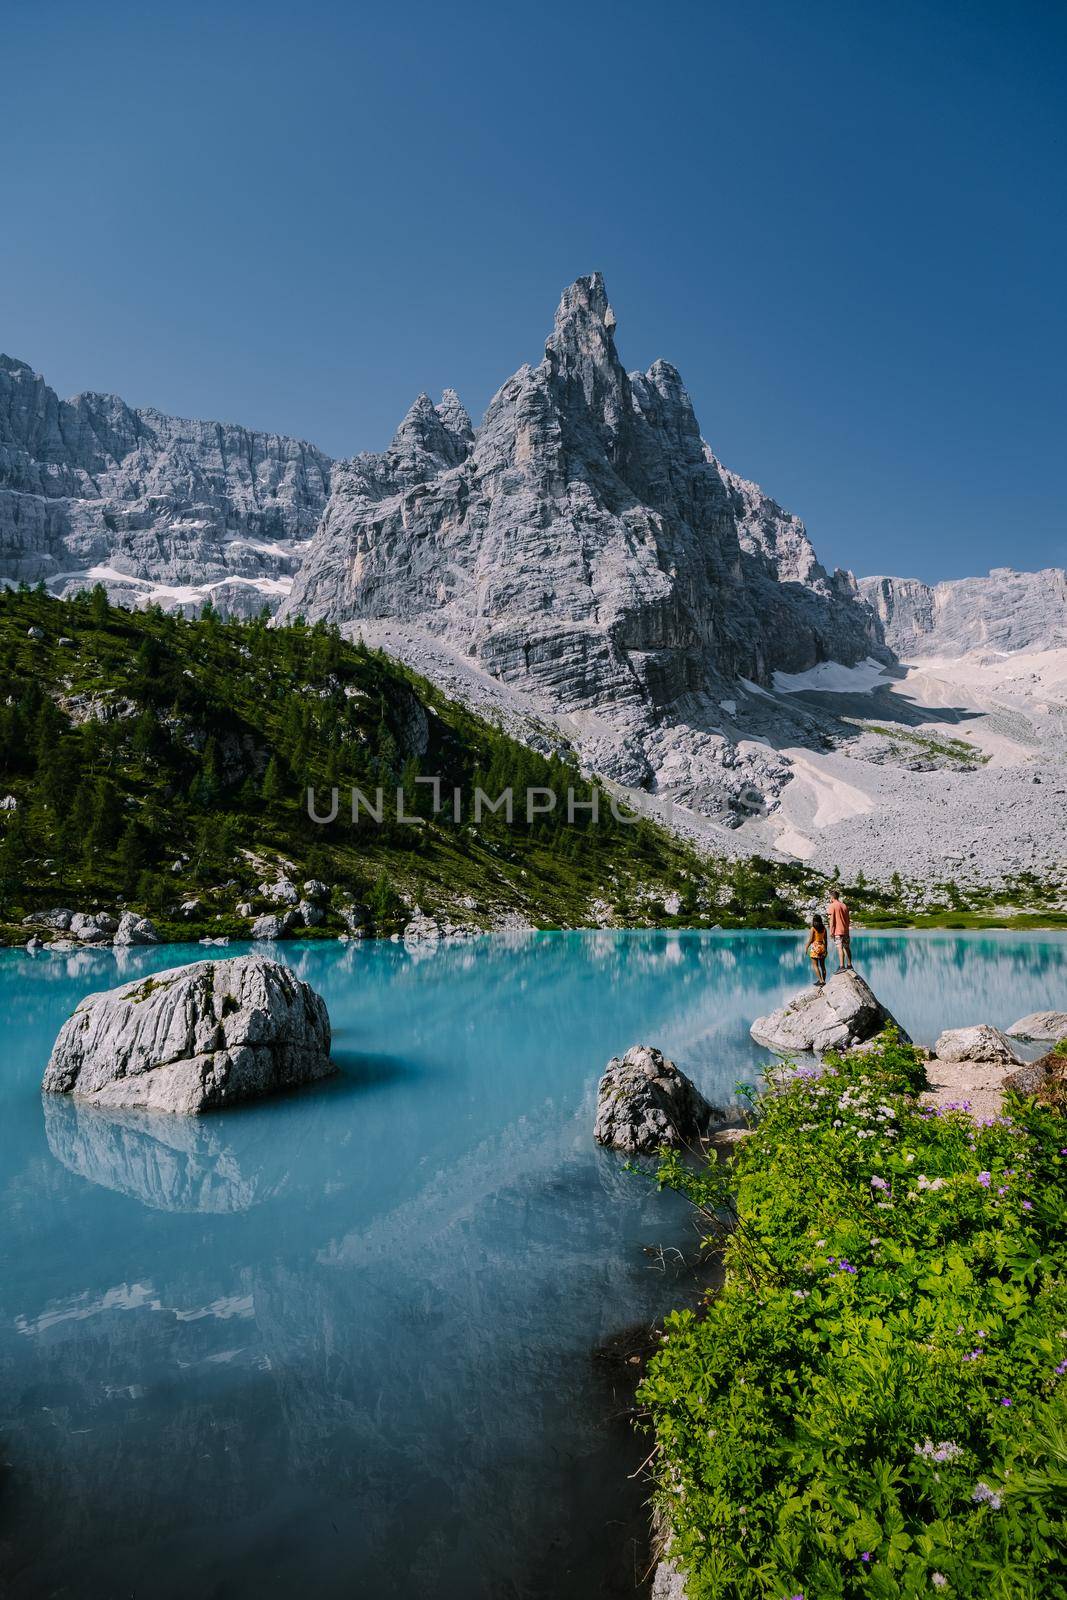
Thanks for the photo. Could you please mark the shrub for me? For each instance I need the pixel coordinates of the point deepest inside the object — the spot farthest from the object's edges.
(873, 1403)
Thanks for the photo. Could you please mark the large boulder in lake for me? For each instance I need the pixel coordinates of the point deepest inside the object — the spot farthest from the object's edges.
(841, 1014)
(1046, 1027)
(194, 1038)
(644, 1101)
(982, 1042)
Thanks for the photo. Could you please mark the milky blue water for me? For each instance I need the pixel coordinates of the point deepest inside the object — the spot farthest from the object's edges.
(342, 1343)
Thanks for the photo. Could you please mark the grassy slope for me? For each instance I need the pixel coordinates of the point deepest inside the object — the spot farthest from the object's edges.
(144, 740)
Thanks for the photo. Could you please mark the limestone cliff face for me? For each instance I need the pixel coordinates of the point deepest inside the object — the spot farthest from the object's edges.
(156, 504)
(585, 542)
(1004, 611)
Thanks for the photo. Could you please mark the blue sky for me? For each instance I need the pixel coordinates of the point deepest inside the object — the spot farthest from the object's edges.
(844, 223)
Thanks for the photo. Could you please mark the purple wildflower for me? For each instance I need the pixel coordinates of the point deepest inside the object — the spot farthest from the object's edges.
(985, 1178)
(879, 1183)
(1028, 1205)
(1005, 1401)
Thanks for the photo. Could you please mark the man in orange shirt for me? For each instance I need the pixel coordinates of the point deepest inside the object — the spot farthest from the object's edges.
(839, 932)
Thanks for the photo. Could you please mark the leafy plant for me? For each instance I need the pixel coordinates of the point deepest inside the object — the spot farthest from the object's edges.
(873, 1404)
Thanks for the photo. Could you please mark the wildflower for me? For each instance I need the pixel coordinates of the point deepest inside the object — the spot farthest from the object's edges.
(1005, 1401)
(985, 1178)
(879, 1183)
(938, 1580)
(1061, 1369)
(947, 1450)
(845, 1266)
(984, 1495)
(1028, 1205)
(866, 1556)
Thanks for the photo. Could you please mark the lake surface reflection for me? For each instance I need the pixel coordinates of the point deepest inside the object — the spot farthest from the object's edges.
(342, 1343)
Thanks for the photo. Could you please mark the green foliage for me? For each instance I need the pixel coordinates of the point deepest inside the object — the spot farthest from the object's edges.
(160, 760)
(874, 1402)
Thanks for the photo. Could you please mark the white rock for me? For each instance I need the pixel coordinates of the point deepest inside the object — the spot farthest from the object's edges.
(311, 915)
(282, 891)
(243, 909)
(1044, 1026)
(273, 926)
(315, 889)
(133, 929)
(96, 927)
(421, 929)
(979, 1043)
(193, 1038)
(843, 1013)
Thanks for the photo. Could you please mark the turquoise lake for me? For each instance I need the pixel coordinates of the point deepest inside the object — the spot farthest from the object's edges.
(344, 1343)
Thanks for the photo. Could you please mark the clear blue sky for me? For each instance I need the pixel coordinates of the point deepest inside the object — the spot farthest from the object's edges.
(844, 223)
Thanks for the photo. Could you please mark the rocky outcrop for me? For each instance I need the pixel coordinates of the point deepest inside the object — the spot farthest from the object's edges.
(133, 929)
(94, 927)
(586, 546)
(194, 1038)
(841, 1014)
(644, 1102)
(155, 507)
(982, 1043)
(1006, 610)
(1043, 1026)
(274, 926)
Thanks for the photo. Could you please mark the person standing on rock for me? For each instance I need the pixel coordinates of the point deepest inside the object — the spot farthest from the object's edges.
(840, 925)
(816, 948)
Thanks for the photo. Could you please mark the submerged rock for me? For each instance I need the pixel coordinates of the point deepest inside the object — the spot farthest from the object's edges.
(194, 1038)
(843, 1013)
(644, 1101)
(980, 1043)
(1043, 1026)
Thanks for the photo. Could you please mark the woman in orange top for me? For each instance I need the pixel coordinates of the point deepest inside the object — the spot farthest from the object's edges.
(817, 948)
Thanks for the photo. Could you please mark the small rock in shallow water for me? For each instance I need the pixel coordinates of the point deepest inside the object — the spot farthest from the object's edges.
(980, 1043)
(194, 1038)
(644, 1101)
(1043, 1026)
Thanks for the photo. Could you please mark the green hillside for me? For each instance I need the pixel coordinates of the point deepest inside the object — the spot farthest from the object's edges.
(149, 760)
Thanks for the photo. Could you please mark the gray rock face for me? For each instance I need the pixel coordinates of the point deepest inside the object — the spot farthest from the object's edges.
(1050, 1026)
(133, 929)
(840, 1015)
(644, 1101)
(980, 1043)
(156, 507)
(96, 927)
(194, 1038)
(587, 546)
(1006, 610)
(271, 926)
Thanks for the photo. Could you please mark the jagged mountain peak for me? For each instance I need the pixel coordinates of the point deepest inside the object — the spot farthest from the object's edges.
(13, 364)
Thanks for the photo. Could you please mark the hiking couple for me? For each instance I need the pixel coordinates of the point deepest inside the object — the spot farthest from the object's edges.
(837, 913)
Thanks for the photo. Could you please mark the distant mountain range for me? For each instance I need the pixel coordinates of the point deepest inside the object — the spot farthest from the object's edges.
(582, 557)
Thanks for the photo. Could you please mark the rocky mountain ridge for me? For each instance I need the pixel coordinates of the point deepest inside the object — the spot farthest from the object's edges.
(156, 507)
(583, 565)
(1004, 611)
